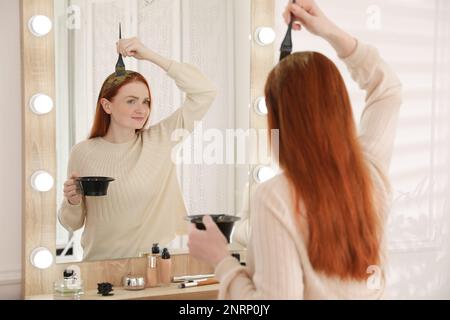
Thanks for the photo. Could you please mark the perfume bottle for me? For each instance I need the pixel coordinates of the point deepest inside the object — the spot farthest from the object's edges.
(165, 268)
(70, 288)
(152, 267)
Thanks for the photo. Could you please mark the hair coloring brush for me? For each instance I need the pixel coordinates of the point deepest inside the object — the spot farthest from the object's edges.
(120, 66)
(286, 45)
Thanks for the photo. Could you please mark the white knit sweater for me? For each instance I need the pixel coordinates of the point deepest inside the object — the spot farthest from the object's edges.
(278, 266)
(144, 204)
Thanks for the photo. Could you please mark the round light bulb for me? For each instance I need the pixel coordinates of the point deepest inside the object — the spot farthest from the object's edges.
(265, 36)
(40, 25)
(42, 181)
(41, 104)
(41, 258)
(261, 107)
(262, 174)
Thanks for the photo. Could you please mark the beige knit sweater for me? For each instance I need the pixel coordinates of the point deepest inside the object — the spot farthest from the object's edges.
(144, 204)
(278, 266)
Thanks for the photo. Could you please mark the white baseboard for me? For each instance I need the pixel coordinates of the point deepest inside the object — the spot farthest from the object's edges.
(10, 277)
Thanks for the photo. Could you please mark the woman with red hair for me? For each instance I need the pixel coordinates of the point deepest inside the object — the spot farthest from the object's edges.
(144, 204)
(317, 229)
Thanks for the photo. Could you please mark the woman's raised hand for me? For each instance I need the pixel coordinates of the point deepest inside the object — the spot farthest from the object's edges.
(308, 14)
(132, 47)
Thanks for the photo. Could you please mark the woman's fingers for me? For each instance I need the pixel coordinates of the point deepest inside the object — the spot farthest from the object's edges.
(307, 5)
(288, 15)
(304, 17)
(130, 50)
(70, 183)
(70, 189)
(209, 245)
(210, 224)
(72, 194)
(191, 228)
(127, 47)
(76, 200)
(197, 236)
(71, 180)
(120, 46)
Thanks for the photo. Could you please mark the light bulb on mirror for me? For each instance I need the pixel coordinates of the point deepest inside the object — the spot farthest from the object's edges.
(41, 104)
(42, 181)
(41, 258)
(264, 36)
(40, 25)
(261, 107)
(262, 174)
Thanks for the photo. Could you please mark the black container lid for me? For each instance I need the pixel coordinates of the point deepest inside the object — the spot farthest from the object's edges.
(68, 273)
(165, 254)
(155, 249)
(237, 256)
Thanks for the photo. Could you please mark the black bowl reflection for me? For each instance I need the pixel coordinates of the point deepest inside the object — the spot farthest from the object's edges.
(223, 221)
(94, 186)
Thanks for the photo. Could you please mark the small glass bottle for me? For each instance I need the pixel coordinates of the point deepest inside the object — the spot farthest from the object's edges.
(165, 268)
(70, 288)
(152, 267)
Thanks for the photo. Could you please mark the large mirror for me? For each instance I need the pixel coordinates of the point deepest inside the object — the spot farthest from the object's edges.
(213, 36)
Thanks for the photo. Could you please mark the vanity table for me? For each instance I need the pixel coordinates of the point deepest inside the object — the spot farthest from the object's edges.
(113, 272)
(171, 292)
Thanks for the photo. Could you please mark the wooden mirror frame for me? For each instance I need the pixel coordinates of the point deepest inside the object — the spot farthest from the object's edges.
(39, 153)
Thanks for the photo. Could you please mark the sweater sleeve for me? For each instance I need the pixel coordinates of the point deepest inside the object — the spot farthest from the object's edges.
(200, 94)
(383, 100)
(241, 231)
(278, 273)
(70, 216)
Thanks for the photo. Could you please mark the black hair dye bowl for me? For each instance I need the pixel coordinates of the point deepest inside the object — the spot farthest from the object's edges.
(94, 186)
(224, 222)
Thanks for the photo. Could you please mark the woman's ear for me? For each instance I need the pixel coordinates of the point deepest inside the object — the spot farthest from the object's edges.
(106, 105)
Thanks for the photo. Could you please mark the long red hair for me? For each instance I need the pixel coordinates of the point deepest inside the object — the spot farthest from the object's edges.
(319, 151)
(109, 90)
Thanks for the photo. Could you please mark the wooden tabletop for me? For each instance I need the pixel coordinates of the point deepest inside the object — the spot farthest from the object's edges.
(171, 292)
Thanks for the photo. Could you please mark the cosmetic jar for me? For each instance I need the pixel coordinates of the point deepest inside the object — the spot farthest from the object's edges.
(133, 282)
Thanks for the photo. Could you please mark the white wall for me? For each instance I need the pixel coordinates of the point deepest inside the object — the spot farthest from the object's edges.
(11, 151)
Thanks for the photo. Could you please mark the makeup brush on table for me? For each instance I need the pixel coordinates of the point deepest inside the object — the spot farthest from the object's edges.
(198, 283)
